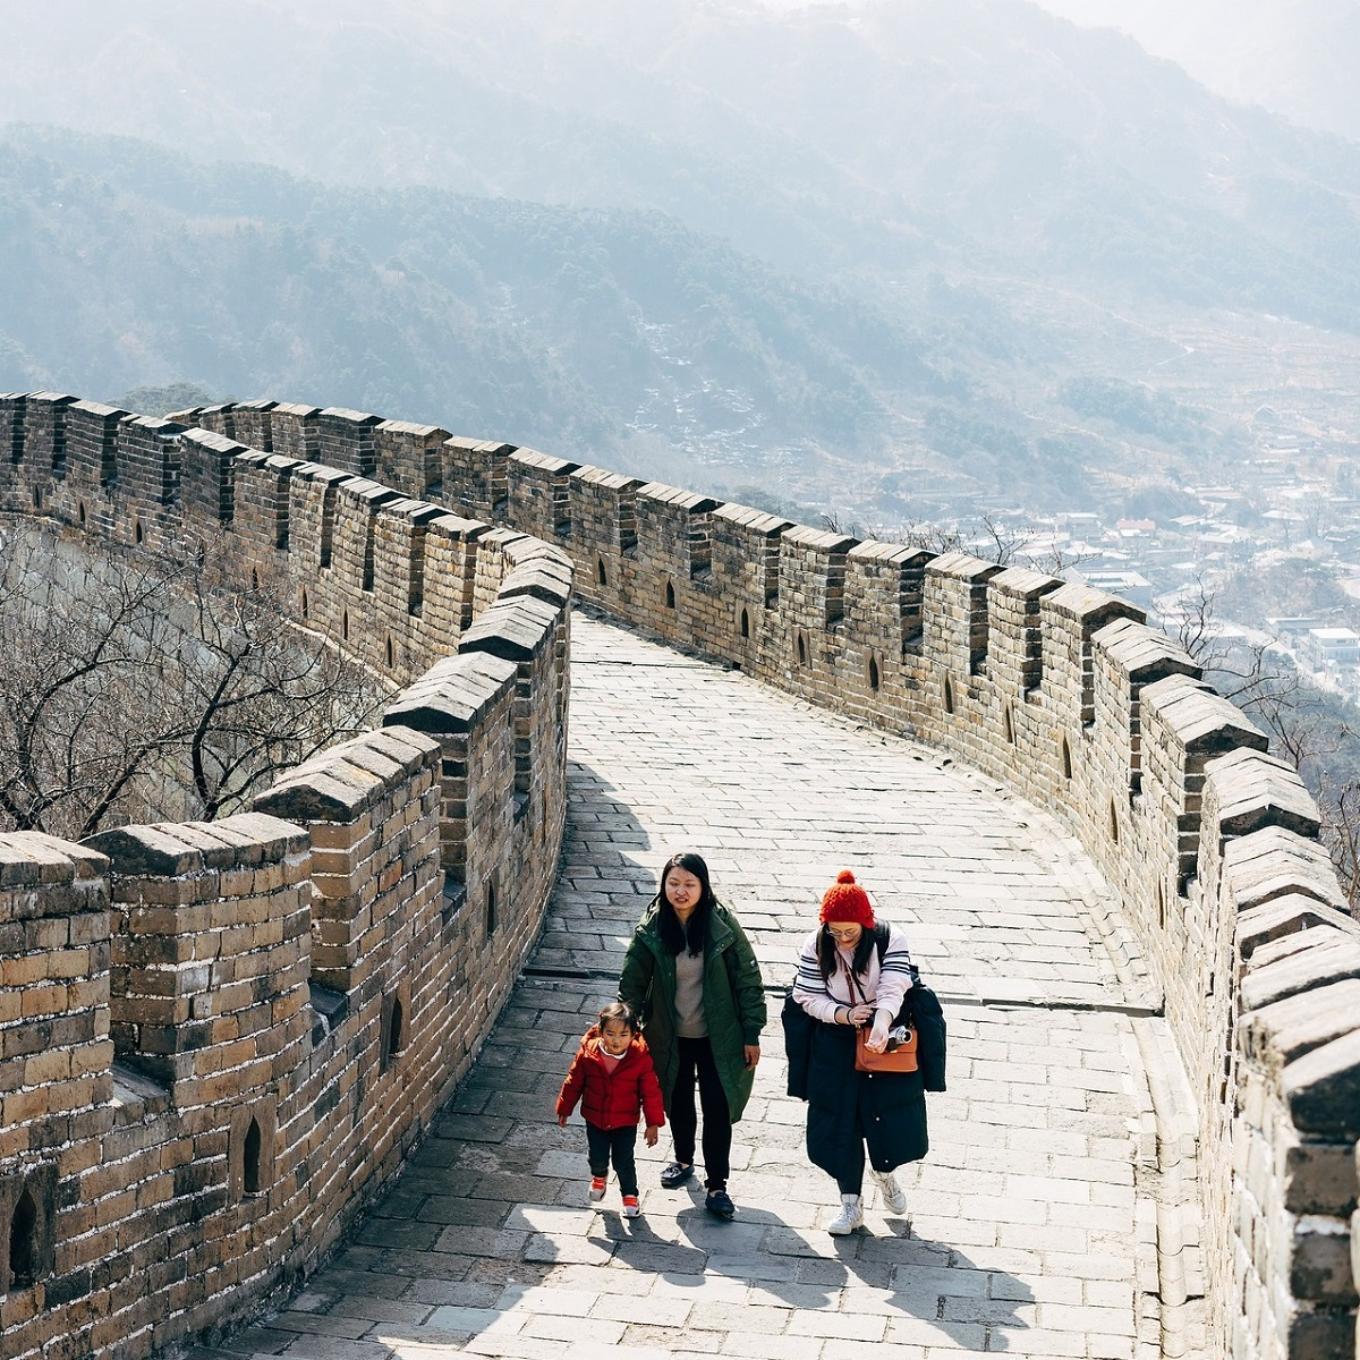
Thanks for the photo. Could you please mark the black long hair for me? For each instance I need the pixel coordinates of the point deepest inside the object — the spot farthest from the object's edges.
(826, 950)
(692, 935)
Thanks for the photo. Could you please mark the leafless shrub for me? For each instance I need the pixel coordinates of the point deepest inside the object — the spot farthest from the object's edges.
(1310, 734)
(145, 687)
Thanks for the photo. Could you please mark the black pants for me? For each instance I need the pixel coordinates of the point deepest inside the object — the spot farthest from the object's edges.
(614, 1145)
(850, 1177)
(696, 1059)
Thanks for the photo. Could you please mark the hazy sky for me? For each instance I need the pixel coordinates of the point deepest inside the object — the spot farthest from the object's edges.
(1294, 57)
(1153, 19)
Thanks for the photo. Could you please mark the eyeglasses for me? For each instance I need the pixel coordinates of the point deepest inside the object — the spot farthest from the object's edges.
(844, 933)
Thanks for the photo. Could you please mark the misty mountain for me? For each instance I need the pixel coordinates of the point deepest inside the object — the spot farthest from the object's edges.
(874, 142)
(581, 331)
(1298, 60)
(910, 249)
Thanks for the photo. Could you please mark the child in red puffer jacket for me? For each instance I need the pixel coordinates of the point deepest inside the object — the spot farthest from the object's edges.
(613, 1078)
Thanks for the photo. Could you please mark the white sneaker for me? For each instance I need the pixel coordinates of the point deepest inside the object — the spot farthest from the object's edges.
(850, 1218)
(894, 1197)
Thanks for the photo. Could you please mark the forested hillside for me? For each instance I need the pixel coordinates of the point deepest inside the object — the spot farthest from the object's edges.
(868, 139)
(962, 240)
(570, 328)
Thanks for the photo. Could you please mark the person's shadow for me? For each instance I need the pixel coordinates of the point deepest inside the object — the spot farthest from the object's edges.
(931, 1293)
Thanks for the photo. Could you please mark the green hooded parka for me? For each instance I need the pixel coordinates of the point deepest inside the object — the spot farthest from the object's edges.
(734, 1001)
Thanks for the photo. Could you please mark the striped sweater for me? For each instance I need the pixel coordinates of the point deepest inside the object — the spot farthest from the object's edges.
(884, 987)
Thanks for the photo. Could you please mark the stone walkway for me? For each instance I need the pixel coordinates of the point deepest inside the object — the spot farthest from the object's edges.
(1030, 1229)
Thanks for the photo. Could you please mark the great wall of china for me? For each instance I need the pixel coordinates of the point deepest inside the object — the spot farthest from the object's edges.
(218, 1041)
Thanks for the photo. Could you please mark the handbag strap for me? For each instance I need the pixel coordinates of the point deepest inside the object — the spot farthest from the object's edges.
(855, 985)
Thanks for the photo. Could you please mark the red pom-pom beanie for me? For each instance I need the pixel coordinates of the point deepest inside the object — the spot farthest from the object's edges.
(845, 900)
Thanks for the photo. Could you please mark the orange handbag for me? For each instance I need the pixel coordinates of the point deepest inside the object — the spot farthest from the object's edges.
(899, 1056)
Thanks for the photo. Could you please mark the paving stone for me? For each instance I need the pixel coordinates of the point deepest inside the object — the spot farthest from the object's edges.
(1019, 1235)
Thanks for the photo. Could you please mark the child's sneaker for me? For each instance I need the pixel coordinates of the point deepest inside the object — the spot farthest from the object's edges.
(597, 1187)
(631, 1208)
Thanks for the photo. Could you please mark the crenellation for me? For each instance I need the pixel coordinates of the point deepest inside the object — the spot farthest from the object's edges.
(538, 492)
(44, 443)
(148, 453)
(361, 623)
(491, 566)
(449, 578)
(409, 457)
(91, 430)
(295, 431)
(262, 495)
(346, 440)
(347, 798)
(14, 494)
(955, 609)
(1186, 723)
(54, 1013)
(1015, 659)
(1057, 688)
(547, 579)
(1127, 656)
(521, 629)
(603, 507)
(456, 698)
(312, 500)
(252, 424)
(1069, 618)
(399, 534)
(668, 572)
(208, 475)
(476, 477)
(812, 567)
(209, 923)
(886, 581)
(1271, 996)
(56, 1057)
(745, 562)
(12, 426)
(1254, 789)
(230, 1034)
(217, 418)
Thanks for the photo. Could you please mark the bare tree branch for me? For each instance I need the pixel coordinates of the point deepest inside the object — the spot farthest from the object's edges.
(151, 686)
(1270, 688)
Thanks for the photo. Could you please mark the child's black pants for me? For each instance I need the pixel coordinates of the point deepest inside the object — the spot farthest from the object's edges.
(616, 1146)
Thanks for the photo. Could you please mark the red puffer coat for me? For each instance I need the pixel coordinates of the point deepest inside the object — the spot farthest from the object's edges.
(611, 1100)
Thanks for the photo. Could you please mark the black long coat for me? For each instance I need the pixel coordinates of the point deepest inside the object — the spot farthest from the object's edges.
(888, 1109)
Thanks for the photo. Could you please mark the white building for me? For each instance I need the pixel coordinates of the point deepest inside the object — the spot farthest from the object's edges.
(1334, 646)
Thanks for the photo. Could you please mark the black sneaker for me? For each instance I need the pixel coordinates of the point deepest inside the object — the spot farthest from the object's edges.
(677, 1173)
(719, 1204)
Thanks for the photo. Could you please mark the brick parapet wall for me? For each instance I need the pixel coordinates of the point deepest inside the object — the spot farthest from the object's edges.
(1058, 689)
(256, 1019)
(1055, 688)
(1279, 1063)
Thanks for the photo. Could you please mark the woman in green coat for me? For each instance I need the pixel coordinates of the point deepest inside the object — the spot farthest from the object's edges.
(691, 974)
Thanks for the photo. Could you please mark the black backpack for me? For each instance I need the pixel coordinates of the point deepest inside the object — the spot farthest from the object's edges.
(920, 1010)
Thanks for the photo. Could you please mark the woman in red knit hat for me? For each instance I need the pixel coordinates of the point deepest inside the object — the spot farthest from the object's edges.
(854, 972)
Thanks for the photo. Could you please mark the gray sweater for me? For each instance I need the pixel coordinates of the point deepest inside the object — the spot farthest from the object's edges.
(689, 996)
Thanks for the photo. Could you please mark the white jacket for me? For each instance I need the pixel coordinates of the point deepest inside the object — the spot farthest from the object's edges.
(883, 988)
